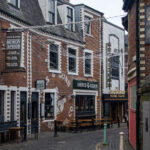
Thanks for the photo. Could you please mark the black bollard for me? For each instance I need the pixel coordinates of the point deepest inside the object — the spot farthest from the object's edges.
(76, 125)
(55, 128)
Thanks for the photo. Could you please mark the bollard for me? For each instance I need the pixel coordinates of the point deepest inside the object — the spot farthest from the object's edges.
(55, 128)
(121, 140)
(105, 136)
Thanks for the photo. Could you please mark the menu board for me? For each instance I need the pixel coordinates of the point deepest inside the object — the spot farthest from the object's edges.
(13, 50)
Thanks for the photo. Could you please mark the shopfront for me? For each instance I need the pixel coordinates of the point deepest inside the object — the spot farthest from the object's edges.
(86, 93)
(115, 107)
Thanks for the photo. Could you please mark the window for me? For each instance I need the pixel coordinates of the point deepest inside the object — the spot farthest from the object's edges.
(14, 2)
(72, 60)
(51, 11)
(1, 106)
(85, 105)
(87, 25)
(115, 67)
(147, 22)
(70, 18)
(49, 106)
(54, 57)
(12, 106)
(88, 63)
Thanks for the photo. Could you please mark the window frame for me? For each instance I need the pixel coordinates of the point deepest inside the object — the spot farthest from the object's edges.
(17, 5)
(70, 27)
(76, 49)
(59, 58)
(90, 24)
(90, 52)
(50, 12)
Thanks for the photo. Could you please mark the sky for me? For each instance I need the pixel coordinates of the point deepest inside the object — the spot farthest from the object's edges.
(110, 8)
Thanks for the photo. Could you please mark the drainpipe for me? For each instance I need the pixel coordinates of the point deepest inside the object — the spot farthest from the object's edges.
(137, 79)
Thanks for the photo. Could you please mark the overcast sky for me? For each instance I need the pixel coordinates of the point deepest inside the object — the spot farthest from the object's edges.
(110, 8)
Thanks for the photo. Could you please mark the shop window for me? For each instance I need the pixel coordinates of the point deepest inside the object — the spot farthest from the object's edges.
(1, 106)
(72, 60)
(14, 3)
(88, 63)
(51, 11)
(70, 18)
(87, 25)
(12, 111)
(49, 106)
(54, 57)
(85, 105)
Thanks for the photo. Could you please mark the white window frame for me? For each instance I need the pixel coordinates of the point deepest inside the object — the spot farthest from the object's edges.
(55, 103)
(91, 17)
(59, 57)
(55, 12)
(77, 60)
(9, 1)
(91, 52)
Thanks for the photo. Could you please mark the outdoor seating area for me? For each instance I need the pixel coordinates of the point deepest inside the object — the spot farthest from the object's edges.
(10, 132)
(78, 124)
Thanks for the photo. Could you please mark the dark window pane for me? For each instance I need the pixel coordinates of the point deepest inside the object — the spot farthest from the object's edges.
(70, 18)
(87, 24)
(14, 2)
(54, 57)
(49, 106)
(88, 63)
(72, 60)
(51, 11)
(115, 67)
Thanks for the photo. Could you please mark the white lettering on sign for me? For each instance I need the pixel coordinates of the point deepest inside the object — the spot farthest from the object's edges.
(65, 78)
(87, 85)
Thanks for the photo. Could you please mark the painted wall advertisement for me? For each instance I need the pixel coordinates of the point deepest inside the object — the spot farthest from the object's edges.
(13, 50)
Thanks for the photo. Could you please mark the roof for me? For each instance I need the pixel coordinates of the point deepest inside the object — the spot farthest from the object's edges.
(90, 8)
(127, 5)
(30, 13)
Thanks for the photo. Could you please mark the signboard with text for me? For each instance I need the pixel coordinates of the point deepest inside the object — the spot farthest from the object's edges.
(85, 85)
(13, 50)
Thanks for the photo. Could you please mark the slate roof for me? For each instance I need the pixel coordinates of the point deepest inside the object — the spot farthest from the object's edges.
(30, 13)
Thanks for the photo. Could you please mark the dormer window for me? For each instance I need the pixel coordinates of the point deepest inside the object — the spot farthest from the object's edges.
(51, 11)
(70, 18)
(87, 25)
(15, 3)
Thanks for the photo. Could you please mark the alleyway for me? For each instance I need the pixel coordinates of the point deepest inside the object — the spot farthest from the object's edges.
(85, 140)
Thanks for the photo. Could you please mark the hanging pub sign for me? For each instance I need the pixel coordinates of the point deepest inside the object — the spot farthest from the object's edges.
(85, 85)
(40, 84)
(13, 50)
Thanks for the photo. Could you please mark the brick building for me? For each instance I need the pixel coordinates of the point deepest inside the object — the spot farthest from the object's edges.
(48, 73)
(113, 67)
(137, 24)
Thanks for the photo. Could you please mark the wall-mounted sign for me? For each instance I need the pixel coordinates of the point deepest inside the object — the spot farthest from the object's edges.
(85, 85)
(115, 97)
(13, 50)
(112, 92)
(40, 84)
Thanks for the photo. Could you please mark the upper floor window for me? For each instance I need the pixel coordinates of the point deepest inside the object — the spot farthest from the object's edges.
(88, 63)
(51, 11)
(14, 2)
(70, 18)
(87, 25)
(147, 22)
(72, 61)
(54, 57)
(115, 67)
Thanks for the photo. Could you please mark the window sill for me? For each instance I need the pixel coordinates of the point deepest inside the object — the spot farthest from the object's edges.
(54, 71)
(44, 121)
(90, 35)
(71, 73)
(13, 6)
(88, 75)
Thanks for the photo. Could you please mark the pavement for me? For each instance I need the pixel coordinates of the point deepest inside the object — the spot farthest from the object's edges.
(83, 140)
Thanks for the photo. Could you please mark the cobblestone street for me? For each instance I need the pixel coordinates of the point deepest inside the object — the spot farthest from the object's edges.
(85, 140)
